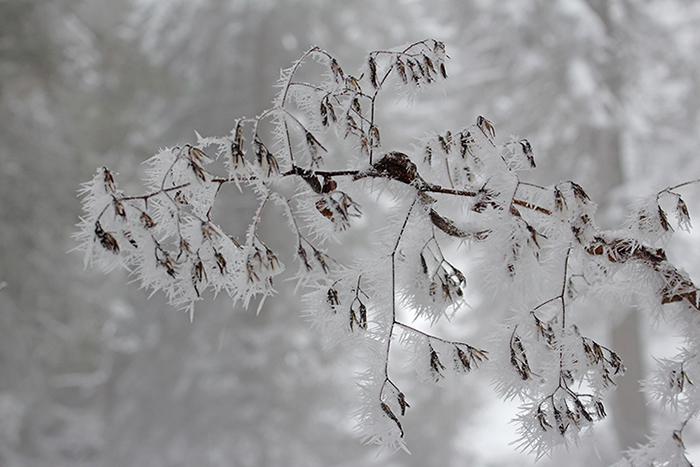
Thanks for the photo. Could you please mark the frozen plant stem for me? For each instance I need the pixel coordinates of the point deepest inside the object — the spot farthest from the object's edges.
(463, 185)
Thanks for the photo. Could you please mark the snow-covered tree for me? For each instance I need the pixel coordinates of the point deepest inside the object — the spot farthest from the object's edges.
(316, 158)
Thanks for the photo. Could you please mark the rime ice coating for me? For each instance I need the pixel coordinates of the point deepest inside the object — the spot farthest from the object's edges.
(539, 245)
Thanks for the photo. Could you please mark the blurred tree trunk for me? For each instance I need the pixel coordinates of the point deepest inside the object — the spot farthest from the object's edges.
(629, 409)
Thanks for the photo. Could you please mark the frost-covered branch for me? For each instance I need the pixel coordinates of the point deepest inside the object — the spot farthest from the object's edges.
(535, 241)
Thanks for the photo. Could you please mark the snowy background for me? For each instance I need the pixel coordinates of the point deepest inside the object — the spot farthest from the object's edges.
(92, 372)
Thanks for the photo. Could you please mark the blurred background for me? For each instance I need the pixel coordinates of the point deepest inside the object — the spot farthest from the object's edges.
(92, 372)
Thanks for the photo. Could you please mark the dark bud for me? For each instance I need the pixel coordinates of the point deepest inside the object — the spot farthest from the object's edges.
(329, 185)
(398, 166)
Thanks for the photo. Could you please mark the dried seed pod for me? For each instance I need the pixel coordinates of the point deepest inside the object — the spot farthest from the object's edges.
(237, 155)
(322, 260)
(560, 422)
(198, 271)
(542, 419)
(198, 171)
(424, 265)
(238, 133)
(486, 127)
(220, 262)
(401, 68)
(527, 150)
(579, 193)
(355, 105)
(353, 84)
(402, 403)
(372, 65)
(678, 439)
(313, 146)
(148, 222)
(208, 231)
(683, 215)
(415, 77)
(663, 220)
(375, 139)
(428, 154)
(131, 239)
(301, 252)
(351, 126)
(559, 201)
(443, 71)
(447, 225)
(422, 71)
(463, 359)
(185, 246)
(166, 261)
(106, 239)
(429, 64)
(119, 208)
(359, 315)
(391, 415)
(338, 74)
(445, 142)
(600, 409)
(324, 115)
(198, 155)
(329, 185)
(260, 149)
(323, 207)
(333, 299)
(436, 365)
(466, 141)
(518, 358)
(363, 316)
(108, 178)
(331, 111)
(272, 165)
